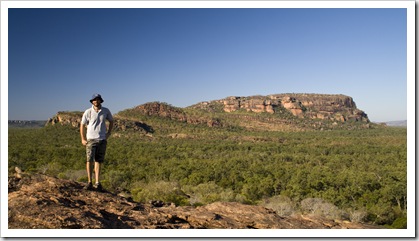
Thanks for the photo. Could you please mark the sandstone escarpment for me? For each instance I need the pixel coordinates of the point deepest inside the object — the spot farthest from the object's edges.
(340, 108)
(256, 104)
(319, 106)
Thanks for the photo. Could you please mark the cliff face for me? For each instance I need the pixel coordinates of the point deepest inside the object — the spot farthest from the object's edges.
(43, 202)
(314, 106)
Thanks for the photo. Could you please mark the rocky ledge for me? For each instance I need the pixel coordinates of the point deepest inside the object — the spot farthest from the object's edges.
(43, 202)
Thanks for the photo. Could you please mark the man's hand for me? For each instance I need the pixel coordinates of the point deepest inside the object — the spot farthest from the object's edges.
(84, 142)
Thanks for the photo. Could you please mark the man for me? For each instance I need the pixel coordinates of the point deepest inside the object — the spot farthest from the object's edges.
(95, 139)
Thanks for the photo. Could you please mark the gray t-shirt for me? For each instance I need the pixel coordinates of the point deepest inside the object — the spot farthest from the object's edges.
(95, 121)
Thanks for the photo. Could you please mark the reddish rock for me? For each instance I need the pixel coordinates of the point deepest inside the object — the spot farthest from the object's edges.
(43, 202)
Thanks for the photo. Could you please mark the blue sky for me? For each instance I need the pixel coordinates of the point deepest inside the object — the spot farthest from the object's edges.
(59, 57)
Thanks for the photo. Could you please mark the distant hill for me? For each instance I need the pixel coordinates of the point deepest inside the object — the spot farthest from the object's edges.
(396, 123)
(26, 123)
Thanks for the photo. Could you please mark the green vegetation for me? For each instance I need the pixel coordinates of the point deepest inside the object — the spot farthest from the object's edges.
(358, 175)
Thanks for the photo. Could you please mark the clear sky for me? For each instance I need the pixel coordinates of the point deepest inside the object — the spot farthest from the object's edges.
(59, 57)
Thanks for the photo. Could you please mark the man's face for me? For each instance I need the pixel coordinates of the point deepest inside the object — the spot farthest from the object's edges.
(96, 102)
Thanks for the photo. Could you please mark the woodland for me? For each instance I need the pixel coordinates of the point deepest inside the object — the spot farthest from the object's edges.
(359, 175)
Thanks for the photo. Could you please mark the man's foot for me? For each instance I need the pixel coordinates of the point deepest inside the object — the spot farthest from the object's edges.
(98, 187)
(89, 186)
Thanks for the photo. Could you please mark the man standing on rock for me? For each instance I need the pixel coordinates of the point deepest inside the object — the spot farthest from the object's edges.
(95, 139)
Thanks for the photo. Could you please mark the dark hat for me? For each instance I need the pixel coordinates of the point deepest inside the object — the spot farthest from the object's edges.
(96, 96)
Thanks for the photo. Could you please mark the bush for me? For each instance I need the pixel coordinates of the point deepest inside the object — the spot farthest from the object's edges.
(51, 169)
(400, 223)
(320, 207)
(164, 191)
(62, 176)
(82, 179)
(282, 205)
(210, 192)
(357, 216)
(73, 175)
(116, 179)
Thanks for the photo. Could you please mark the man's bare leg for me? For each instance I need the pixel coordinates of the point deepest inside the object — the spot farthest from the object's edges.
(89, 169)
(98, 186)
(97, 171)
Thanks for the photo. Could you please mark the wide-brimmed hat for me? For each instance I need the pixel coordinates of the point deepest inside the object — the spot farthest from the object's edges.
(96, 96)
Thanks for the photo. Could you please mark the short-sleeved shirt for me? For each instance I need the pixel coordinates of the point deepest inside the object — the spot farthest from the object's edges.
(95, 121)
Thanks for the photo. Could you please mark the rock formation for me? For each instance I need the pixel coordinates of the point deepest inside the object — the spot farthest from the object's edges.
(43, 202)
(66, 118)
(162, 110)
(174, 113)
(256, 104)
(314, 106)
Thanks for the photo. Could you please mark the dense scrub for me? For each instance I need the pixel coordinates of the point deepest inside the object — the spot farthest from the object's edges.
(358, 175)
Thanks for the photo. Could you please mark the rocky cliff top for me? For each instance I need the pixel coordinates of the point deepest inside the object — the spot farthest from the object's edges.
(312, 106)
(44, 202)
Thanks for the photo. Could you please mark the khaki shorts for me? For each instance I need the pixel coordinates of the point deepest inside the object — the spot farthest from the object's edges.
(95, 150)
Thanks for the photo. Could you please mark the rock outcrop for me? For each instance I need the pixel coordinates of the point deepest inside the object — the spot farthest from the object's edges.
(256, 104)
(314, 106)
(72, 118)
(174, 113)
(162, 110)
(43, 202)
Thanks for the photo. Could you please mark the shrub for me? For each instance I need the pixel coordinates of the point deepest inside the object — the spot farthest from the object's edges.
(400, 223)
(357, 216)
(51, 169)
(62, 176)
(73, 175)
(164, 191)
(282, 205)
(116, 179)
(82, 179)
(320, 207)
(210, 192)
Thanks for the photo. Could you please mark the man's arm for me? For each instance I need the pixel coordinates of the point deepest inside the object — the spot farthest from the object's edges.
(109, 129)
(83, 134)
